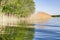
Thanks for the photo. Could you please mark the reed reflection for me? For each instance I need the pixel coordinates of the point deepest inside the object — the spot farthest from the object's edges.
(20, 32)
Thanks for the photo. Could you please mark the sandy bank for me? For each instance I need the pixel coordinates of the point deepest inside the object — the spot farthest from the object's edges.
(32, 19)
(38, 18)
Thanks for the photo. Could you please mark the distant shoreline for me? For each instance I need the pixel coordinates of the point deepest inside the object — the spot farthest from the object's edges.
(55, 15)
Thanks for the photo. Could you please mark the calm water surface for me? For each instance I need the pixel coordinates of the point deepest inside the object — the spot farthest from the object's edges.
(51, 30)
(43, 31)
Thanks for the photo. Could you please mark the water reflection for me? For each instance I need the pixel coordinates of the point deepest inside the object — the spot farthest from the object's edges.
(21, 32)
(47, 31)
(50, 30)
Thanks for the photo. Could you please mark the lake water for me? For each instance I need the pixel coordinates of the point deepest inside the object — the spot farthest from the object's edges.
(49, 30)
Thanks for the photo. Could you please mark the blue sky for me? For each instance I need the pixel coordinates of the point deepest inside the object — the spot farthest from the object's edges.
(50, 6)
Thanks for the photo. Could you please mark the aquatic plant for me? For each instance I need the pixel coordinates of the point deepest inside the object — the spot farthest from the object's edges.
(21, 8)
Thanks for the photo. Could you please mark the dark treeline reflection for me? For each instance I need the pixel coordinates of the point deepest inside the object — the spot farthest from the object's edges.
(21, 32)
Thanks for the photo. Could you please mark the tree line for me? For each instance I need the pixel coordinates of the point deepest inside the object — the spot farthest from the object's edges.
(55, 15)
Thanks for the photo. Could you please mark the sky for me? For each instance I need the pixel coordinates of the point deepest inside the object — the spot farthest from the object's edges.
(51, 7)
